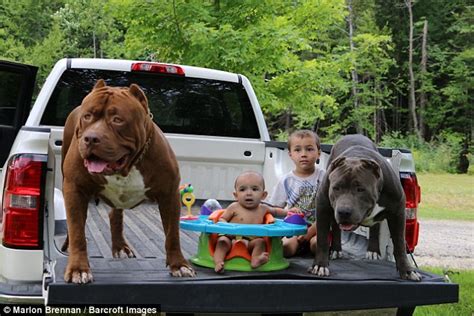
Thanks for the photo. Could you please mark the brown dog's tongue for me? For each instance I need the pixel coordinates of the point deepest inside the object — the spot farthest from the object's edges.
(95, 166)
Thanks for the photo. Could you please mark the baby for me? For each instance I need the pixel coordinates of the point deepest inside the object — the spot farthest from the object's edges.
(248, 209)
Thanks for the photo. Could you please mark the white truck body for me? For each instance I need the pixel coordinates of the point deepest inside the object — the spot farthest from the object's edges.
(209, 162)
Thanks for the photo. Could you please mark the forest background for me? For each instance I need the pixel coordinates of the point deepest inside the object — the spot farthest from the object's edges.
(398, 71)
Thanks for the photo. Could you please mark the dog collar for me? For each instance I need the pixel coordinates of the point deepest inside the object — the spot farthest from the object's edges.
(144, 150)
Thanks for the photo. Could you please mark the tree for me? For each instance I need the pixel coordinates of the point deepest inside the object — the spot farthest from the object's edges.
(24, 24)
(88, 28)
(354, 75)
(284, 47)
(411, 99)
(423, 71)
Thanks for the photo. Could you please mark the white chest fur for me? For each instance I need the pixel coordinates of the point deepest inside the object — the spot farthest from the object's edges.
(370, 220)
(125, 192)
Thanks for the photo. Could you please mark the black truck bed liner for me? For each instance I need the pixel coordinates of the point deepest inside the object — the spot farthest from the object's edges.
(353, 284)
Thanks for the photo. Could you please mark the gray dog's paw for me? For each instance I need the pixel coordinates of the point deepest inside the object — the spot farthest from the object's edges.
(183, 272)
(372, 255)
(411, 275)
(319, 271)
(336, 255)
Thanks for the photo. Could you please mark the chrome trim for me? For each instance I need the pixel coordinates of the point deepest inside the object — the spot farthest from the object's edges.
(14, 299)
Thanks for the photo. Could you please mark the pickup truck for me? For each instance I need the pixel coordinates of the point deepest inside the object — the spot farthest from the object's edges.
(215, 125)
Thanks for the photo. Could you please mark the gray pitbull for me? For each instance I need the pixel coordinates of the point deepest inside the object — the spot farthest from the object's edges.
(359, 188)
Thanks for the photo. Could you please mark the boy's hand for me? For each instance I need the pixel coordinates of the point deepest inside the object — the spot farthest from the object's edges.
(309, 234)
(278, 211)
(295, 210)
(311, 231)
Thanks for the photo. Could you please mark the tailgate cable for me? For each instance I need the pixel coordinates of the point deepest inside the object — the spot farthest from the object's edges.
(411, 255)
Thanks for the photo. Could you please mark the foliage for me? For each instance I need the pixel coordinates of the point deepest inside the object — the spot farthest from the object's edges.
(439, 155)
(448, 80)
(296, 54)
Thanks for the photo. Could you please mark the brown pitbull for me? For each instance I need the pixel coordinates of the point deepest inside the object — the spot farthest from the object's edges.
(359, 188)
(113, 150)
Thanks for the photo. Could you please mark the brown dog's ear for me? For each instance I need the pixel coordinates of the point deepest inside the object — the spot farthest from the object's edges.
(139, 94)
(99, 84)
(371, 165)
(337, 162)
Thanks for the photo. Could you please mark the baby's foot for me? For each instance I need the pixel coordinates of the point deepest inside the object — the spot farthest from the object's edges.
(259, 260)
(219, 267)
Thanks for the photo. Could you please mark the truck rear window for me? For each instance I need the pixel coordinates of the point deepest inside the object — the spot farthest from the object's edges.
(179, 104)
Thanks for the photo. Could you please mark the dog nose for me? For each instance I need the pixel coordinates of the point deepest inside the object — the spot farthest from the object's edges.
(344, 213)
(91, 139)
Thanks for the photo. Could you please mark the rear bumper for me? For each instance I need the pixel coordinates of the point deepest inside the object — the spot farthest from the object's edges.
(21, 265)
(21, 293)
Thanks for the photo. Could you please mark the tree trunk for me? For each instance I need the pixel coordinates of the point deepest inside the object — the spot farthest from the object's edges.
(288, 120)
(377, 112)
(411, 100)
(355, 77)
(423, 99)
(93, 41)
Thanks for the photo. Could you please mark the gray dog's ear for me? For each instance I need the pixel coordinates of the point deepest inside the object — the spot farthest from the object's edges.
(99, 84)
(337, 162)
(371, 165)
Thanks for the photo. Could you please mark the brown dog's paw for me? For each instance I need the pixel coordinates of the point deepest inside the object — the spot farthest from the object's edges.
(183, 271)
(78, 276)
(319, 271)
(123, 251)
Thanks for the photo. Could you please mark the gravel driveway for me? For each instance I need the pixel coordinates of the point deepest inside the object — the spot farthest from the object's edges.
(447, 244)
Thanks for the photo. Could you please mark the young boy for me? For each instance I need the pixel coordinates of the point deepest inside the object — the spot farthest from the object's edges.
(297, 190)
(248, 209)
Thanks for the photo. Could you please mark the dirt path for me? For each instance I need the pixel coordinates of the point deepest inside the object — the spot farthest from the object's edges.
(447, 244)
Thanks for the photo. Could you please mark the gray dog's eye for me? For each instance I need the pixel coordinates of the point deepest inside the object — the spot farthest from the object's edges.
(360, 189)
(335, 188)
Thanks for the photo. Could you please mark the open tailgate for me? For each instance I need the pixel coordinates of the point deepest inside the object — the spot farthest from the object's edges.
(354, 284)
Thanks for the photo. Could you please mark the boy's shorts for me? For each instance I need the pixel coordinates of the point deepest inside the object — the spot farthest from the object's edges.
(303, 248)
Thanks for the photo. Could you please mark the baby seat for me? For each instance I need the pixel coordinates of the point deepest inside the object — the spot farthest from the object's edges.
(238, 258)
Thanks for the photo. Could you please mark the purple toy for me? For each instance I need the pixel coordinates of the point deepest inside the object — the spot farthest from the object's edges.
(210, 206)
(205, 210)
(295, 219)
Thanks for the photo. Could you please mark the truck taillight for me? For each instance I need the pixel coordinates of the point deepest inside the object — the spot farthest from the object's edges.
(158, 68)
(22, 201)
(413, 198)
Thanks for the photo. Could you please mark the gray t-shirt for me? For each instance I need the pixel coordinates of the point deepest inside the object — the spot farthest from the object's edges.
(293, 191)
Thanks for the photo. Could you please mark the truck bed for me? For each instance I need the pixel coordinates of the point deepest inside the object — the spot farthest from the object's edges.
(359, 284)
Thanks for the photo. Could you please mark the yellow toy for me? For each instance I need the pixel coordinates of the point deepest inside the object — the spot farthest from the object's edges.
(188, 198)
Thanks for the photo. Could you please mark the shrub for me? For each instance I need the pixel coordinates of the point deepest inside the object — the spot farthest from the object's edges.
(439, 155)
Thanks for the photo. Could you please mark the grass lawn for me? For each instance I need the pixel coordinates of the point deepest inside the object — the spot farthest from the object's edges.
(446, 196)
(450, 197)
(465, 306)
